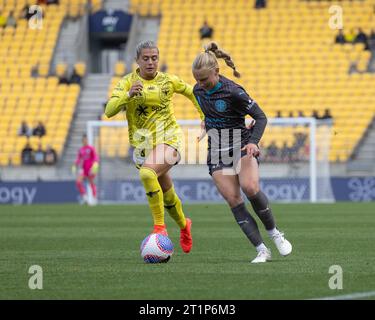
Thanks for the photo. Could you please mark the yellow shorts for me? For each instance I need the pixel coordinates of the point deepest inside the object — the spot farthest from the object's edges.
(141, 152)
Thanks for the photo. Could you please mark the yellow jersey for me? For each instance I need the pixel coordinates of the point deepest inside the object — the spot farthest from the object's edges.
(150, 115)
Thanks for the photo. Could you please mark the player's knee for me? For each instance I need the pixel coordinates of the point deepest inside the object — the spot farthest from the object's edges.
(233, 200)
(147, 174)
(251, 188)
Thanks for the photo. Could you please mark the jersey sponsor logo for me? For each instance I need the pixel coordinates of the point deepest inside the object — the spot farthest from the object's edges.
(142, 111)
(151, 88)
(220, 105)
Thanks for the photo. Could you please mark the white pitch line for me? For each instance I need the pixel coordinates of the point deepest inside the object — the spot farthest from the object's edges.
(349, 296)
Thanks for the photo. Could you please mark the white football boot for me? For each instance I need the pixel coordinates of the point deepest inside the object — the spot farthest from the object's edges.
(93, 202)
(263, 256)
(283, 245)
(83, 199)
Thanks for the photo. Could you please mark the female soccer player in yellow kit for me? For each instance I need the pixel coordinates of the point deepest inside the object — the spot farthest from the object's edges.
(146, 95)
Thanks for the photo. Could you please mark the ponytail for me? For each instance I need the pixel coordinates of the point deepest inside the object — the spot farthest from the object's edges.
(213, 47)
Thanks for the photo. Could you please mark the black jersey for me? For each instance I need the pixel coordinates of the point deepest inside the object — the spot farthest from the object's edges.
(225, 107)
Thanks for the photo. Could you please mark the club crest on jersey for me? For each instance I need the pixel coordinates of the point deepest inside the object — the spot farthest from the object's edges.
(166, 91)
(220, 105)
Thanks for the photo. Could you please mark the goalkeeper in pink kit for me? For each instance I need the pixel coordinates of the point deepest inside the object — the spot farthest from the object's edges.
(88, 161)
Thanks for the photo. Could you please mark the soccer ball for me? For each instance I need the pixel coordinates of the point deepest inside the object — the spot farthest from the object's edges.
(156, 248)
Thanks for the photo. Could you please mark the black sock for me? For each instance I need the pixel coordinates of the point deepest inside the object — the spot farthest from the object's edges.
(261, 207)
(247, 224)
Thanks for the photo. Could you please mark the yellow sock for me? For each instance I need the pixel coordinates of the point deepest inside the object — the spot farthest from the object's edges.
(174, 206)
(154, 194)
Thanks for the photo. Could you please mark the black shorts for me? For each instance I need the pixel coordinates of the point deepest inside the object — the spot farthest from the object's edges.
(215, 161)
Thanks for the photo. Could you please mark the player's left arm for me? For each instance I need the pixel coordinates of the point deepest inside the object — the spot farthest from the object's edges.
(185, 89)
(247, 106)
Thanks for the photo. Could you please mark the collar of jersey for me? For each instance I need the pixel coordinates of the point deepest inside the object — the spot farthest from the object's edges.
(215, 88)
(139, 76)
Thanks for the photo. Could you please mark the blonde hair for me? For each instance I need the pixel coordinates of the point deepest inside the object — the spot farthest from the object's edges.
(208, 59)
(148, 44)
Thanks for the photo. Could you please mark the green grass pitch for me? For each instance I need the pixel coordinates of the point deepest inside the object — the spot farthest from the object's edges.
(93, 253)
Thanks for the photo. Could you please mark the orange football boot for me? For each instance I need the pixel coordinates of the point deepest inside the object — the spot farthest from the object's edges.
(186, 240)
(161, 230)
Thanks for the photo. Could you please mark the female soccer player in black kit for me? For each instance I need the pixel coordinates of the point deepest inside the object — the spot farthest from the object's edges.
(233, 148)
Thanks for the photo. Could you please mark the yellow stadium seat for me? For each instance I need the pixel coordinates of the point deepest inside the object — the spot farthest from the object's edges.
(80, 68)
(61, 68)
(120, 68)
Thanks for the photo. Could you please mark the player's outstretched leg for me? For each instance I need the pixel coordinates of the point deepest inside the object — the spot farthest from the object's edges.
(174, 207)
(260, 204)
(154, 194)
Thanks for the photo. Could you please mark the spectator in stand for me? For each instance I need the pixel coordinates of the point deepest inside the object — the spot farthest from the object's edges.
(206, 31)
(290, 115)
(11, 21)
(50, 156)
(300, 114)
(75, 77)
(3, 20)
(300, 139)
(260, 4)
(24, 130)
(340, 38)
(25, 13)
(27, 156)
(285, 153)
(272, 152)
(353, 67)
(315, 114)
(35, 71)
(39, 155)
(349, 37)
(327, 115)
(279, 114)
(64, 79)
(39, 130)
(361, 37)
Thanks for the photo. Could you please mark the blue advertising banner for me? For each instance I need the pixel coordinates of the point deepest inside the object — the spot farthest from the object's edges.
(202, 190)
(110, 21)
(37, 192)
(354, 189)
(205, 191)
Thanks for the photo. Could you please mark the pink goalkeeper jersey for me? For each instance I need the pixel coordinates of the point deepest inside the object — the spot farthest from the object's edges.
(86, 157)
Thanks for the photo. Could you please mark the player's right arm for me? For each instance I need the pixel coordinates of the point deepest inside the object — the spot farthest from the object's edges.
(121, 96)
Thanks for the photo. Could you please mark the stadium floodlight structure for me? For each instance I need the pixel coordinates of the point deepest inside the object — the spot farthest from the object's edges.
(305, 162)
